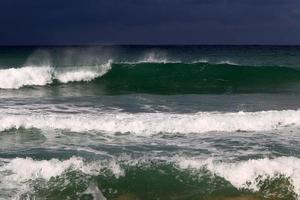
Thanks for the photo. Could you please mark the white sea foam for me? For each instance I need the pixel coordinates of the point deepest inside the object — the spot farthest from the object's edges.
(14, 78)
(244, 174)
(26, 168)
(83, 73)
(16, 174)
(151, 123)
(227, 62)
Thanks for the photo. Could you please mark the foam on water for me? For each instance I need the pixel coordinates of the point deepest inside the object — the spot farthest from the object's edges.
(23, 169)
(139, 77)
(83, 74)
(16, 174)
(15, 78)
(244, 174)
(151, 123)
(227, 62)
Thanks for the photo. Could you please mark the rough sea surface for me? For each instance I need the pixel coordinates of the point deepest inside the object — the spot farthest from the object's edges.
(150, 122)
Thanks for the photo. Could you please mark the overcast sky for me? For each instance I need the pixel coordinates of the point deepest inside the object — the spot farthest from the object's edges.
(50, 22)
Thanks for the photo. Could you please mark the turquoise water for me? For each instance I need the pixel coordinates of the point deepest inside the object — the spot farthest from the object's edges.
(150, 122)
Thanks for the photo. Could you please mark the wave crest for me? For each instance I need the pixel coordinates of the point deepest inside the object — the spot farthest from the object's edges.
(83, 74)
(15, 78)
(160, 78)
(18, 173)
(247, 174)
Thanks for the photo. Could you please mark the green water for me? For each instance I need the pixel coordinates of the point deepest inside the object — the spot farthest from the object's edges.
(150, 122)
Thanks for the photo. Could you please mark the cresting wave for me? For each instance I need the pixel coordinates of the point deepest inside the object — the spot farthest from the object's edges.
(157, 77)
(152, 123)
(245, 174)
(240, 174)
(15, 78)
(14, 173)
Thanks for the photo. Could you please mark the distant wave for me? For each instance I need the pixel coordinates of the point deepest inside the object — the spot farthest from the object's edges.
(227, 62)
(153, 123)
(153, 57)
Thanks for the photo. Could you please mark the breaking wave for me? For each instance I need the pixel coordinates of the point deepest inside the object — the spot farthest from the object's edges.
(157, 77)
(195, 177)
(19, 174)
(15, 78)
(248, 174)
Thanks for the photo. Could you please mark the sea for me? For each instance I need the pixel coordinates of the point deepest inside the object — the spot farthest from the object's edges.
(150, 122)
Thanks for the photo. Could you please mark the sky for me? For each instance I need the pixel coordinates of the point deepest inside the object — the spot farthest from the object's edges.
(71, 22)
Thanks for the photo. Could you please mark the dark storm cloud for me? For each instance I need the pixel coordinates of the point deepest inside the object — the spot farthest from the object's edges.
(150, 21)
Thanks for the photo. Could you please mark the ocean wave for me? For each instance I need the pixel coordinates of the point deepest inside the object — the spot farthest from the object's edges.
(153, 123)
(83, 73)
(24, 169)
(227, 62)
(158, 78)
(247, 174)
(19, 174)
(15, 78)
(197, 78)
